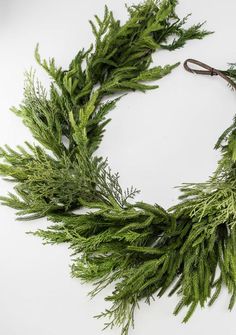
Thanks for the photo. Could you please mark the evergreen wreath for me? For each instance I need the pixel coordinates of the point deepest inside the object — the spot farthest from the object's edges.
(143, 248)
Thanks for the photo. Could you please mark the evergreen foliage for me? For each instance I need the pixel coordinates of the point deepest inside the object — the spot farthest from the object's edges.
(144, 248)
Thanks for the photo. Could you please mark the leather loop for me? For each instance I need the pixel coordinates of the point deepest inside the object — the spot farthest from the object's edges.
(208, 70)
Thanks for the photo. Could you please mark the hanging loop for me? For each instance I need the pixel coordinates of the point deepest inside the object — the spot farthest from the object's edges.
(208, 70)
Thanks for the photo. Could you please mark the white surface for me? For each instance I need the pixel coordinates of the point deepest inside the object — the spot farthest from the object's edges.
(156, 141)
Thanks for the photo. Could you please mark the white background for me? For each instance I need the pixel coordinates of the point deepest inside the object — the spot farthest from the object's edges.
(156, 141)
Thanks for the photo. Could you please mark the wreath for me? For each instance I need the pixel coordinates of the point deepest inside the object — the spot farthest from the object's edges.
(145, 249)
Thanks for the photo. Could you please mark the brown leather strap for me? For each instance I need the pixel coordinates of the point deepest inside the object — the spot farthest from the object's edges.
(208, 70)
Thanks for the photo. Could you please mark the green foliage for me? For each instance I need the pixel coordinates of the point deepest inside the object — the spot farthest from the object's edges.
(70, 119)
(45, 184)
(141, 247)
